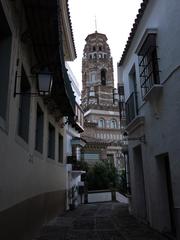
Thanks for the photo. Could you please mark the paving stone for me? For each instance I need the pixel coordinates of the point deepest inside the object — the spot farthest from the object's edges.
(104, 223)
(101, 221)
(84, 223)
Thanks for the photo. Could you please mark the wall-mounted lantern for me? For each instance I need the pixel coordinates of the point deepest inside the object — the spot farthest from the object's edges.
(44, 84)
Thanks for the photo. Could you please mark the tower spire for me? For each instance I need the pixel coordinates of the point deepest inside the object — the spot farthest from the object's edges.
(95, 24)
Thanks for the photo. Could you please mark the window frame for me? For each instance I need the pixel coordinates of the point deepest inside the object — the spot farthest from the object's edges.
(51, 141)
(41, 130)
(113, 126)
(60, 147)
(24, 99)
(101, 120)
(148, 62)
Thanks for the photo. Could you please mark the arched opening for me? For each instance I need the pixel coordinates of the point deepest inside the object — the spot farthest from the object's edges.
(103, 77)
(101, 123)
(113, 123)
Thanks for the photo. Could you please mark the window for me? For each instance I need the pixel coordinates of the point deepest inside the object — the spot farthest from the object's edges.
(113, 123)
(131, 104)
(148, 64)
(100, 48)
(5, 57)
(39, 129)
(94, 48)
(92, 77)
(101, 123)
(60, 159)
(51, 141)
(24, 107)
(103, 77)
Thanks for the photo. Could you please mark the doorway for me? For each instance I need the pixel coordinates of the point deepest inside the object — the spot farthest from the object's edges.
(166, 191)
(139, 188)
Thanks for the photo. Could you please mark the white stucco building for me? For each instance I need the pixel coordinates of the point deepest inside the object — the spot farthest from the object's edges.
(36, 37)
(73, 145)
(150, 71)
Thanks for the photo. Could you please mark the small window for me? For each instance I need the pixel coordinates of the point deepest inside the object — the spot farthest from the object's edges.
(100, 48)
(148, 64)
(39, 129)
(60, 159)
(92, 77)
(24, 107)
(101, 123)
(95, 55)
(94, 48)
(113, 123)
(51, 141)
(5, 57)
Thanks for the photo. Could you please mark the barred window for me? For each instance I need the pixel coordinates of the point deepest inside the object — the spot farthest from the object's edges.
(148, 64)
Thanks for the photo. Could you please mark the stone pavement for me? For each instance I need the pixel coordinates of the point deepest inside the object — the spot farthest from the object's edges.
(99, 221)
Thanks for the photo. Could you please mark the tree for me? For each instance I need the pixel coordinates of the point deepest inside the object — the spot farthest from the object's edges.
(102, 175)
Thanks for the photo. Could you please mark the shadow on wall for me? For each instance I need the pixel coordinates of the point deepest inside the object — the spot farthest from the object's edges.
(22, 221)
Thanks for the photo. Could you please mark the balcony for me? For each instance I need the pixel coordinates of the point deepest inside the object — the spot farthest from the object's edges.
(133, 119)
(45, 34)
(76, 165)
(131, 107)
(79, 123)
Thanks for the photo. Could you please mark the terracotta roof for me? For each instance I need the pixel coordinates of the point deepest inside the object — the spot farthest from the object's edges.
(91, 140)
(133, 30)
(96, 33)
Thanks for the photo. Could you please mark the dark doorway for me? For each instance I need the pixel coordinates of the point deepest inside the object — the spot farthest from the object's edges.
(166, 190)
(139, 188)
(103, 77)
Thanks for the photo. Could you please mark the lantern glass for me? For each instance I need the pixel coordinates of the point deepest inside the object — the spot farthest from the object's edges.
(44, 83)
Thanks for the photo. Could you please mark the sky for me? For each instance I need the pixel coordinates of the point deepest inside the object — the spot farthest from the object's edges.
(114, 18)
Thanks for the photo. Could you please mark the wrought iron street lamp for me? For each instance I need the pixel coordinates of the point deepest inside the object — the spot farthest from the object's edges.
(44, 84)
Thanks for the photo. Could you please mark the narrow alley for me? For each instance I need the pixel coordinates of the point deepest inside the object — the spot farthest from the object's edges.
(107, 221)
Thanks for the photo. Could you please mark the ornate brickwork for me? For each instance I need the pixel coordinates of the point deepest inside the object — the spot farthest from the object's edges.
(100, 102)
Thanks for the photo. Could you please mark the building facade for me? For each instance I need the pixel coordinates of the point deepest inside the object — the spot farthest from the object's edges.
(150, 70)
(36, 40)
(73, 146)
(100, 103)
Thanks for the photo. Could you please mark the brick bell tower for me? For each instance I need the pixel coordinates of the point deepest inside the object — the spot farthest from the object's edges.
(97, 72)
(99, 100)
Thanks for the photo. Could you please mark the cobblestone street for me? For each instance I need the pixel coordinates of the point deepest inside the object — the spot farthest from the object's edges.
(107, 221)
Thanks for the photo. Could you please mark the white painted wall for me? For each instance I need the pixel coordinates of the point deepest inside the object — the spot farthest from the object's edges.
(162, 126)
(24, 172)
(99, 197)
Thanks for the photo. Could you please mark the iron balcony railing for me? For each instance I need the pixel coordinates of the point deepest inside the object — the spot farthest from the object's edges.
(131, 107)
(149, 70)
